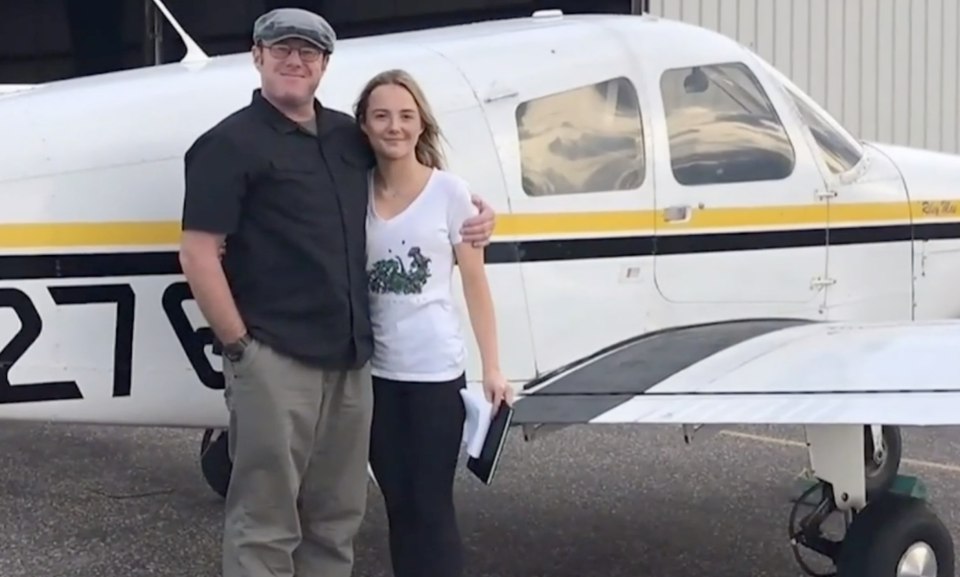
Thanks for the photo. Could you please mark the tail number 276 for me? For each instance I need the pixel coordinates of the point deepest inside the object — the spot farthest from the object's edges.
(192, 341)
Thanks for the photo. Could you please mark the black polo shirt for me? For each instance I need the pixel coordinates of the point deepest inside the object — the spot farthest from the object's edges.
(293, 206)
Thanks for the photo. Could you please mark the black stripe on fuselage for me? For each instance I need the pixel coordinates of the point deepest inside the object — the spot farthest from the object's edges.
(98, 265)
(702, 243)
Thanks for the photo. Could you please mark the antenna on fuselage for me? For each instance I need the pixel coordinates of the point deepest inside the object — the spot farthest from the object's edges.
(194, 52)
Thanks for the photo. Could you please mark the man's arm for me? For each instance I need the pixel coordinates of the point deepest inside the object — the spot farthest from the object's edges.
(215, 186)
(478, 229)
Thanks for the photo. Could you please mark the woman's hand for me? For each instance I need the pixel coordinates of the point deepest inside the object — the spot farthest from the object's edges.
(497, 389)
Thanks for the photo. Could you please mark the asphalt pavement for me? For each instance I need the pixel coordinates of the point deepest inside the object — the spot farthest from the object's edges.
(583, 502)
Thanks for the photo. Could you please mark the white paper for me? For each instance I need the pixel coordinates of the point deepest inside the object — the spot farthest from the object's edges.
(479, 414)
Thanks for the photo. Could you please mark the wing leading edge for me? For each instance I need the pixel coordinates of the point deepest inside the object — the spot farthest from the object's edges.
(764, 372)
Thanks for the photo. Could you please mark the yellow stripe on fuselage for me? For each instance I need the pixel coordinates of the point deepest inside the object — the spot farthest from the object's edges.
(72, 234)
(724, 219)
(159, 233)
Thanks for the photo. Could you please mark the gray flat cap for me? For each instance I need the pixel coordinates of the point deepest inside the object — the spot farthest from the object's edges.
(284, 23)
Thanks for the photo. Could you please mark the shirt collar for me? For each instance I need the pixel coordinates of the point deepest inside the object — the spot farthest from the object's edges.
(280, 121)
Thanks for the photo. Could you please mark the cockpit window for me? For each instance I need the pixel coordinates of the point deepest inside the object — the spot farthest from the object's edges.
(839, 151)
(722, 127)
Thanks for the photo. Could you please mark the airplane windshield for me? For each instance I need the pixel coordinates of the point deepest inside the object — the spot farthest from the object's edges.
(836, 141)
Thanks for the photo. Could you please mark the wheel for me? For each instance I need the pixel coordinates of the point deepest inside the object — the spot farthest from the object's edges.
(896, 536)
(215, 461)
(881, 467)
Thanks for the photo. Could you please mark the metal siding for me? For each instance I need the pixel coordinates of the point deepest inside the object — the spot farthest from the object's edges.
(887, 69)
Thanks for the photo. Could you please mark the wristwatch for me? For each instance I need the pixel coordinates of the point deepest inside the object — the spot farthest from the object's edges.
(233, 352)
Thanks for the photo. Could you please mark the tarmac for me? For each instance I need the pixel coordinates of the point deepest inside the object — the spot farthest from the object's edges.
(588, 501)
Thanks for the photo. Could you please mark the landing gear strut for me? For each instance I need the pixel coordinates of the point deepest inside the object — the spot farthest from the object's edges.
(882, 452)
(887, 534)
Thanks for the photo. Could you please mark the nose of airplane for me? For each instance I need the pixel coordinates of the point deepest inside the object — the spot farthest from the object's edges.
(927, 174)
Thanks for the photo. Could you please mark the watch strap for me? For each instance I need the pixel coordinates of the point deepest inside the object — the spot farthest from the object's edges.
(236, 348)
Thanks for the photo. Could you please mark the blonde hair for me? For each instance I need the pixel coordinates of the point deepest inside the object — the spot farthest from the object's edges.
(428, 149)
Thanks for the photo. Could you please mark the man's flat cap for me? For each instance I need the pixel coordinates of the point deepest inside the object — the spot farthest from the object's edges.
(284, 23)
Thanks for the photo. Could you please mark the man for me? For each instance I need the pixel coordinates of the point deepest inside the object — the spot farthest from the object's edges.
(283, 182)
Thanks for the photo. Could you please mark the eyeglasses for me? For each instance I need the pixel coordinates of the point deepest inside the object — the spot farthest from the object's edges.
(282, 51)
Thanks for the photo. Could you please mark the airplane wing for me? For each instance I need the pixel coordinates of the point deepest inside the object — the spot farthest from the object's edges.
(762, 372)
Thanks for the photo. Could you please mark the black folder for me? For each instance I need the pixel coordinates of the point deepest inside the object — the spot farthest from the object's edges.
(485, 466)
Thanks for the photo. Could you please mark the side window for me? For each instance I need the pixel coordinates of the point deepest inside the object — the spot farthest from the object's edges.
(840, 151)
(587, 139)
(722, 127)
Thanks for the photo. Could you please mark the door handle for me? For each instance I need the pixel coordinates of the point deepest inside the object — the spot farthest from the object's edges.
(677, 213)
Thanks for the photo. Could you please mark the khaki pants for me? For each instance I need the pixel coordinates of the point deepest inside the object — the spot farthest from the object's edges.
(299, 439)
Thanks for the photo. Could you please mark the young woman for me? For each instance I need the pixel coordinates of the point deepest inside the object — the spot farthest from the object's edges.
(415, 212)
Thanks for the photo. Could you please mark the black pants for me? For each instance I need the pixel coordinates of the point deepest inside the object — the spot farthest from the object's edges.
(414, 449)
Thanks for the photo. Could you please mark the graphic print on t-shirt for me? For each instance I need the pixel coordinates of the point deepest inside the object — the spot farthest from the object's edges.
(394, 276)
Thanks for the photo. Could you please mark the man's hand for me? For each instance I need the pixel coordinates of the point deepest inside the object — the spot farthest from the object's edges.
(478, 229)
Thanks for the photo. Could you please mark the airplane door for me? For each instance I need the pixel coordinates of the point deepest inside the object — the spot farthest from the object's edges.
(870, 278)
(739, 217)
(573, 152)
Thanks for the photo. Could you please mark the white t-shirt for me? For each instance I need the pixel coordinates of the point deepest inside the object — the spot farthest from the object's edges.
(410, 262)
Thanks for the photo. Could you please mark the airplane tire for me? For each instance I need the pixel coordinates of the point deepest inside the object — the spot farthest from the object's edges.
(881, 475)
(215, 461)
(896, 536)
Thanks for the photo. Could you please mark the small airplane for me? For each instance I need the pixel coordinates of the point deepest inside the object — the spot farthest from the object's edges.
(684, 237)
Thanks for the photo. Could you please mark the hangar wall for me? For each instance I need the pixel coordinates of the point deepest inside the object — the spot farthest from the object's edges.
(36, 43)
(887, 69)
(43, 40)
